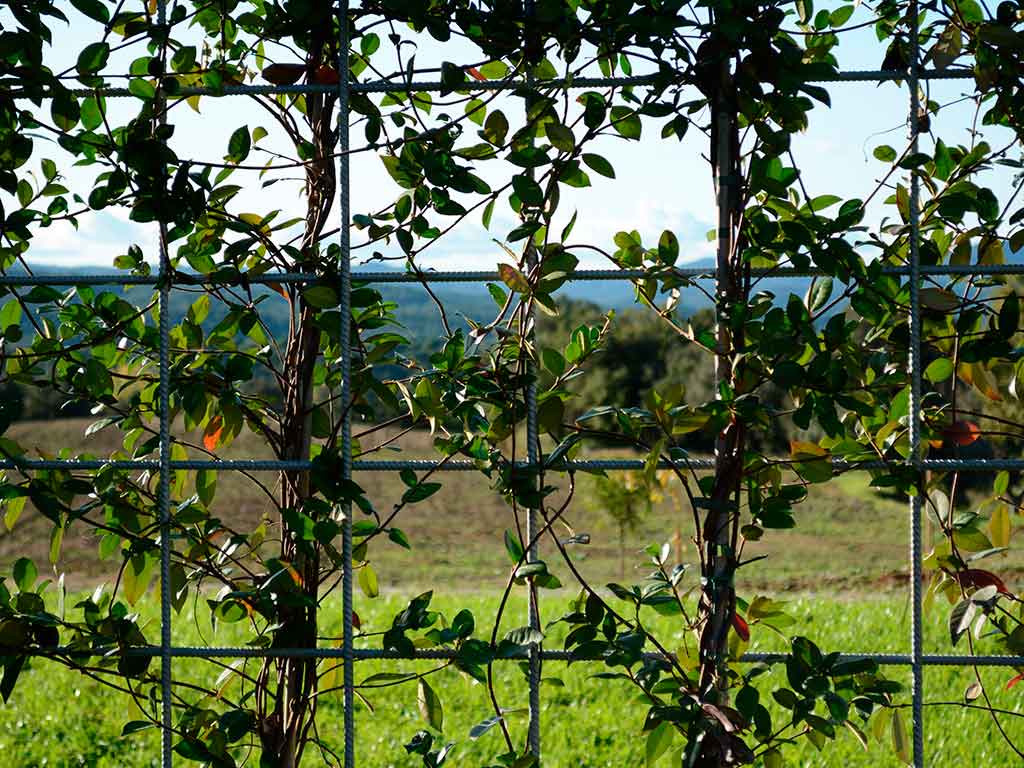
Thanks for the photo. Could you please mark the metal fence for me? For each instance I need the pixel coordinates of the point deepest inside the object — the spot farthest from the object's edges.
(916, 659)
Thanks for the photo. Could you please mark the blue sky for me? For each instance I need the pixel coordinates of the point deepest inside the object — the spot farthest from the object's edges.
(660, 184)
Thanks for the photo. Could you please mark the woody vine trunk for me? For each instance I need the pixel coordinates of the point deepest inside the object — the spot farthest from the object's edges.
(289, 706)
(720, 520)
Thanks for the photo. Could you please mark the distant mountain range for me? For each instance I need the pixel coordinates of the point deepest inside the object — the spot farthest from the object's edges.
(418, 314)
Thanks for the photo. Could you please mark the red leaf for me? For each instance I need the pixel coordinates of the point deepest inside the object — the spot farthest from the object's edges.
(327, 75)
(284, 74)
(977, 578)
(1014, 680)
(356, 623)
(279, 288)
(475, 73)
(296, 576)
(211, 436)
(741, 627)
(961, 432)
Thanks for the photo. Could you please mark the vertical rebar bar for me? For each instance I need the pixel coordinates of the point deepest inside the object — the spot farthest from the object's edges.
(533, 456)
(345, 310)
(164, 490)
(914, 366)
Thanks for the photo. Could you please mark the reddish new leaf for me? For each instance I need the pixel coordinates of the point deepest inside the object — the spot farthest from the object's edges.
(741, 627)
(978, 578)
(283, 74)
(211, 436)
(961, 433)
(327, 75)
(1014, 680)
(475, 73)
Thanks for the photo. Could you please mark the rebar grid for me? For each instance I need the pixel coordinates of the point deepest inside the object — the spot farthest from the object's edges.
(914, 363)
(188, 279)
(168, 277)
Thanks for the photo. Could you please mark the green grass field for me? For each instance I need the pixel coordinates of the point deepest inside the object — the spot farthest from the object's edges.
(60, 718)
(843, 569)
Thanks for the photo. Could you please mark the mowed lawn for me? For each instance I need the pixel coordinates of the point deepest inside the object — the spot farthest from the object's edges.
(58, 717)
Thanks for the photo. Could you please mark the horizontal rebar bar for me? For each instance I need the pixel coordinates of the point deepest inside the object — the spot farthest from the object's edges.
(440, 654)
(181, 279)
(467, 465)
(405, 86)
(472, 276)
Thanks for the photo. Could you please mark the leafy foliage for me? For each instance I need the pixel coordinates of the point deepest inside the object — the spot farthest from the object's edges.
(832, 365)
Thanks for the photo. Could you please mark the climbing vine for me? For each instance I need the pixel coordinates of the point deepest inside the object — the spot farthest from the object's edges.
(739, 80)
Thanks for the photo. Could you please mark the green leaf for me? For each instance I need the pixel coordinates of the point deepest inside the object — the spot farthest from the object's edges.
(206, 485)
(1009, 315)
(430, 705)
(668, 248)
(939, 370)
(141, 88)
(553, 361)
(483, 727)
(14, 509)
(93, 110)
(947, 48)
(658, 742)
(599, 165)
(499, 296)
(64, 110)
(561, 137)
(369, 43)
(527, 190)
(494, 70)
(840, 16)
(321, 296)
(368, 581)
(513, 547)
(496, 128)
(138, 570)
(239, 145)
(11, 671)
(944, 164)
(10, 315)
(93, 58)
(626, 122)
(134, 726)
(398, 536)
(56, 540)
(476, 111)
(900, 744)
(885, 153)
(420, 492)
(525, 636)
(94, 9)
(819, 293)
(25, 574)
(821, 202)
(531, 569)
